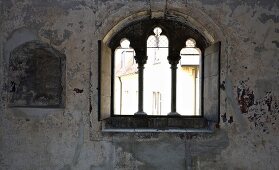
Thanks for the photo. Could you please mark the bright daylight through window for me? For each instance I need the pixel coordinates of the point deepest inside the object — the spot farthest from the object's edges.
(157, 85)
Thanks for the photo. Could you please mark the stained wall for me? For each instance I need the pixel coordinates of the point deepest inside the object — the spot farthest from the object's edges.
(70, 137)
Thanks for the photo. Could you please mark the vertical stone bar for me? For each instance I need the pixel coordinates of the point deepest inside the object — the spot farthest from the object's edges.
(141, 60)
(173, 88)
(140, 86)
(173, 60)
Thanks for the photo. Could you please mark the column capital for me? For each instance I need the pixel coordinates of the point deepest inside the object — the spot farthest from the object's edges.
(140, 59)
(174, 59)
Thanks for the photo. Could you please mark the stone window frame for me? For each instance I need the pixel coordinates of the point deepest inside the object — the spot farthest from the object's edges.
(137, 33)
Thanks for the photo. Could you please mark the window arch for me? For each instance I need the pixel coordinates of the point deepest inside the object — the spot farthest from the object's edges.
(157, 47)
(141, 34)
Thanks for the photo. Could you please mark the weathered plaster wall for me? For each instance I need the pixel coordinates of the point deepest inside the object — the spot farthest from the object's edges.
(70, 138)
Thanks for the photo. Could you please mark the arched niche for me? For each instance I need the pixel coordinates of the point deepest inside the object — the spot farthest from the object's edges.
(36, 76)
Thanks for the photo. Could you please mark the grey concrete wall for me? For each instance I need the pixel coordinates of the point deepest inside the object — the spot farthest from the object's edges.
(70, 138)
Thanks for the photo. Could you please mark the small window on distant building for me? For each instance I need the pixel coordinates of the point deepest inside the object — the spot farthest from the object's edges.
(156, 109)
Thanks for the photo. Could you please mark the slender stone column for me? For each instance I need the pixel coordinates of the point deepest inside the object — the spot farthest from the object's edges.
(141, 60)
(173, 60)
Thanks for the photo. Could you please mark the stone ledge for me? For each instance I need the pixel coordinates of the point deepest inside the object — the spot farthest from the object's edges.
(155, 124)
(159, 130)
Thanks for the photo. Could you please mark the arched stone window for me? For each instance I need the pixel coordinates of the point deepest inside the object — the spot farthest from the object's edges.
(177, 76)
(36, 76)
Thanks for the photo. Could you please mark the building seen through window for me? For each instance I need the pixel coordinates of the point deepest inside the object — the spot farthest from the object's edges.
(157, 78)
(126, 79)
(188, 80)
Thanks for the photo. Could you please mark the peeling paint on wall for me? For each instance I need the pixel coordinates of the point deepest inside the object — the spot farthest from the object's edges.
(245, 97)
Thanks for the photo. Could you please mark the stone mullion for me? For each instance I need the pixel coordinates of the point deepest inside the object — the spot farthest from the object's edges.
(173, 60)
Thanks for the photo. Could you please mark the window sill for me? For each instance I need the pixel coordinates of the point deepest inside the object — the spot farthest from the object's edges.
(156, 124)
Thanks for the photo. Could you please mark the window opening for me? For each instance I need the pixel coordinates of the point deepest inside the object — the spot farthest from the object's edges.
(157, 47)
(189, 81)
(125, 80)
(180, 58)
(154, 83)
(158, 78)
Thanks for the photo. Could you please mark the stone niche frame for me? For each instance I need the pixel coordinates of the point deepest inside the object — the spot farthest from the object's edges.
(36, 78)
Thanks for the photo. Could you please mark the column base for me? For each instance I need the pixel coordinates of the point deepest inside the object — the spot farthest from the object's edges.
(140, 113)
(174, 114)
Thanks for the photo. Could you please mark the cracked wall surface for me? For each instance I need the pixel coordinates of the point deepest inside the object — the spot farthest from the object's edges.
(71, 138)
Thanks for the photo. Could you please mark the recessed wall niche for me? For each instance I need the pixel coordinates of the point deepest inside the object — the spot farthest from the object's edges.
(36, 76)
